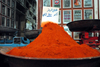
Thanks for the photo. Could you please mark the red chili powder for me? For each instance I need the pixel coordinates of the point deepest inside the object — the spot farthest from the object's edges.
(54, 42)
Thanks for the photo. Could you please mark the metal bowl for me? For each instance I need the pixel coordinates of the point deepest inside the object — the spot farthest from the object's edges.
(84, 25)
(32, 34)
(18, 61)
(7, 31)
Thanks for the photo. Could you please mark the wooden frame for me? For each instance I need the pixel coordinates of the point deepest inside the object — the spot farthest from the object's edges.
(77, 14)
(67, 17)
(90, 14)
(48, 2)
(53, 3)
(66, 4)
(76, 35)
(77, 3)
(88, 1)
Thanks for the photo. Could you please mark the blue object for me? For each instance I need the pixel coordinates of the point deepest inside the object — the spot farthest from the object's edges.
(16, 42)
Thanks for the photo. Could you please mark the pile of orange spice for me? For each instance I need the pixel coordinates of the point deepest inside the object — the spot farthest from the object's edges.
(54, 42)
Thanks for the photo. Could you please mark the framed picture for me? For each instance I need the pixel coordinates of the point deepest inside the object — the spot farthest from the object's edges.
(67, 16)
(59, 18)
(67, 30)
(88, 3)
(66, 3)
(76, 35)
(47, 3)
(77, 15)
(88, 14)
(56, 3)
(77, 3)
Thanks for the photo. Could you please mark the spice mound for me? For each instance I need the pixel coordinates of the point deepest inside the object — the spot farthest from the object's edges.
(54, 42)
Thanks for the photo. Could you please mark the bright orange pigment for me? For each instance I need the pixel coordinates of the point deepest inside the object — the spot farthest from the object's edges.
(54, 42)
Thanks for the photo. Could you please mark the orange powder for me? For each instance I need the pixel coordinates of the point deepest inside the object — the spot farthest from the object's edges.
(54, 42)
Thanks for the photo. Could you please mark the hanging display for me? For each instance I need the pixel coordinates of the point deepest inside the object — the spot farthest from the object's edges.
(77, 3)
(66, 3)
(66, 16)
(57, 3)
(87, 3)
(77, 15)
(47, 3)
(88, 14)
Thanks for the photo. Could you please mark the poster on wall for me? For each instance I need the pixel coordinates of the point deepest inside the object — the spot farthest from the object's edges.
(59, 18)
(56, 3)
(77, 15)
(88, 14)
(76, 35)
(66, 16)
(47, 3)
(87, 3)
(67, 30)
(66, 3)
(77, 3)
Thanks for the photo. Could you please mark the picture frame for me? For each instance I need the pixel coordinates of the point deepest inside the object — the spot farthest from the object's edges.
(76, 35)
(66, 3)
(88, 13)
(77, 15)
(77, 3)
(56, 3)
(59, 18)
(47, 3)
(67, 15)
(88, 3)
